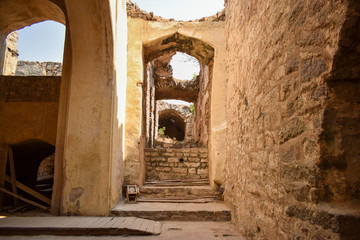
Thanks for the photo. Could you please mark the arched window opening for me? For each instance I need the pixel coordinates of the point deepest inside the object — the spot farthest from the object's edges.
(174, 121)
(36, 50)
(184, 66)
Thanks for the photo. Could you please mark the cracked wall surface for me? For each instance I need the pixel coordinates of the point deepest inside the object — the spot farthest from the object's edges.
(289, 167)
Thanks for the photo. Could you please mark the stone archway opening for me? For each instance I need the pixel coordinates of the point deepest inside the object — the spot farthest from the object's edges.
(172, 125)
(185, 126)
(30, 103)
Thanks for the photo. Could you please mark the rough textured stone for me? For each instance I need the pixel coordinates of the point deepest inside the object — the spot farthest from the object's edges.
(27, 68)
(166, 166)
(290, 65)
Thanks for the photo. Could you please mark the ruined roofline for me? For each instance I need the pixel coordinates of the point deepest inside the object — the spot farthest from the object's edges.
(134, 11)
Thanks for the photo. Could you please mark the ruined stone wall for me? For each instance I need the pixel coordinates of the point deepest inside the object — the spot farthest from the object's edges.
(30, 68)
(202, 106)
(279, 55)
(176, 163)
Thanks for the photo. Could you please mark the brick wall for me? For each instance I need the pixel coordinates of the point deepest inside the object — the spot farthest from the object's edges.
(279, 56)
(29, 89)
(176, 163)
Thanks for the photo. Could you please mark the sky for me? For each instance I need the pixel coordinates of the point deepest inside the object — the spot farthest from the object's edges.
(43, 42)
(181, 9)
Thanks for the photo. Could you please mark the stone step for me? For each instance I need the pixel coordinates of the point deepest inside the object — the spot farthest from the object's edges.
(214, 211)
(179, 192)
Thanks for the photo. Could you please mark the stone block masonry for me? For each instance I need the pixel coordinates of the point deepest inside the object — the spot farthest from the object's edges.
(176, 163)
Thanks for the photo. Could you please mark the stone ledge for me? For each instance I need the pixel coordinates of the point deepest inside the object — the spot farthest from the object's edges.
(342, 218)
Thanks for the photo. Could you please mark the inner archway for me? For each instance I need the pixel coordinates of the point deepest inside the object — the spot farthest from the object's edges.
(173, 124)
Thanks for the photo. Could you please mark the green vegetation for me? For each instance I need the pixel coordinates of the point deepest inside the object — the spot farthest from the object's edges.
(192, 108)
(161, 132)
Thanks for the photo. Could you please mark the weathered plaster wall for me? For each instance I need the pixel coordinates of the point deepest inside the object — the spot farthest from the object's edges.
(280, 56)
(8, 54)
(89, 122)
(119, 100)
(29, 109)
(92, 96)
(141, 32)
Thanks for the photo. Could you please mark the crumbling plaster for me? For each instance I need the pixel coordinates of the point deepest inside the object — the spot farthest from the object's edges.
(142, 32)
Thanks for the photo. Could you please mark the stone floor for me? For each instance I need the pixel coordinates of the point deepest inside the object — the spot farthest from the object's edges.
(170, 231)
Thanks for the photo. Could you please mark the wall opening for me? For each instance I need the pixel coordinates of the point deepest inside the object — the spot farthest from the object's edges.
(30, 99)
(172, 125)
(176, 109)
(184, 66)
(36, 50)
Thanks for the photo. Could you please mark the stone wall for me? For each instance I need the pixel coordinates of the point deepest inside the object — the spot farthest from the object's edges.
(176, 163)
(30, 68)
(29, 89)
(280, 57)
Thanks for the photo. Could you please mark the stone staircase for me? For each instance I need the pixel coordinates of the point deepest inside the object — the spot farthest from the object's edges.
(177, 188)
(198, 191)
(176, 201)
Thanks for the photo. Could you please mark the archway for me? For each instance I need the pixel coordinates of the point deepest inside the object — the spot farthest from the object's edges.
(159, 83)
(30, 109)
(173, 124)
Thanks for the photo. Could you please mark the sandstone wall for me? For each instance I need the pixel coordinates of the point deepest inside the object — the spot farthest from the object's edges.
(8, 54)
(29, 68)
(280, 56)
(176, 163)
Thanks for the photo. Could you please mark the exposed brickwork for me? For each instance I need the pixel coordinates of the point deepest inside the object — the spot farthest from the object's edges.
(184, 192)
(29, 89)
(176, 163)
(280, 57)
